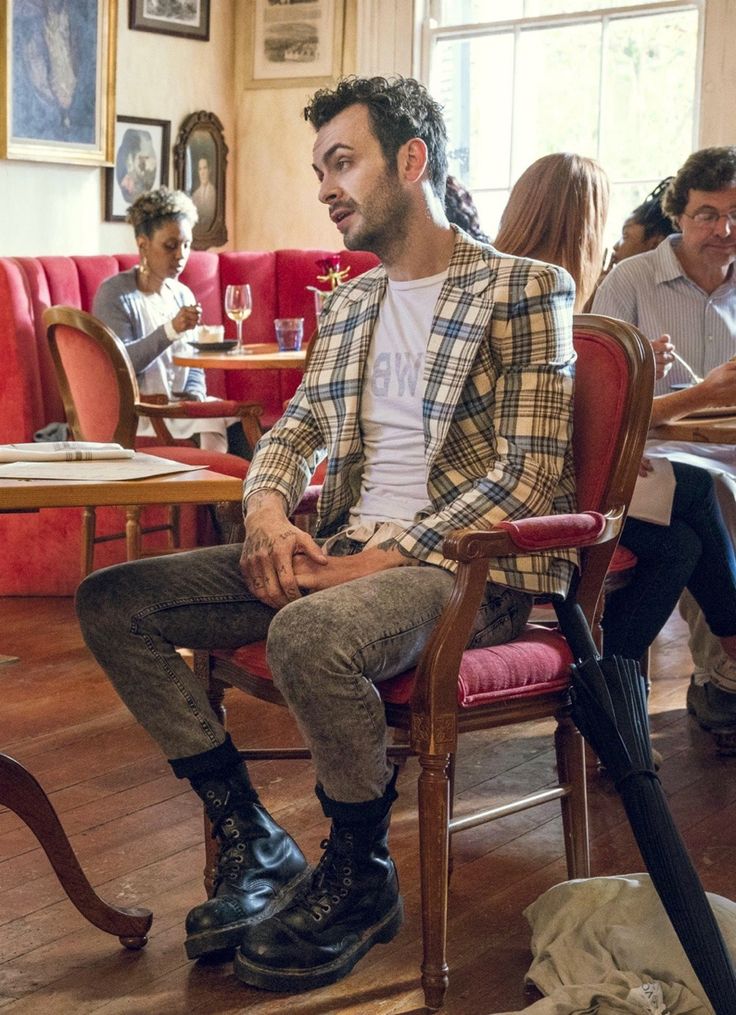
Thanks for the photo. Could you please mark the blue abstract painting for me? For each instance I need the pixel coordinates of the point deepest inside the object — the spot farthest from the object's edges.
(54, 71)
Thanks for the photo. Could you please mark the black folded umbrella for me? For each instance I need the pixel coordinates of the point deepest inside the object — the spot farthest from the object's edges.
(610, 710)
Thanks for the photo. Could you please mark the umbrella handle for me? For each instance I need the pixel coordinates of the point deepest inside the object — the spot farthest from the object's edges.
(575, 628)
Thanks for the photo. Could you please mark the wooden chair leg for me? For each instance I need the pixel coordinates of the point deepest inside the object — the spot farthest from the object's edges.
(22, 794)
(89, 525)
(451, 781)
(434, 838)
(571, 769)
(174, 534)
(133, 532)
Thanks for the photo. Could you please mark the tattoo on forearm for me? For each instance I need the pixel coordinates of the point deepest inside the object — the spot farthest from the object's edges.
(261, 498)
(407, 561)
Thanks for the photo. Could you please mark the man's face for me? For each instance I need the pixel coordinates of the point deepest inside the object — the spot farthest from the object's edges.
(367, 202)
(203, 168)
(713, 244)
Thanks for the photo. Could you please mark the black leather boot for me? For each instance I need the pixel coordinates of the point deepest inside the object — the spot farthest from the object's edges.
(259, 868)
(351, 903)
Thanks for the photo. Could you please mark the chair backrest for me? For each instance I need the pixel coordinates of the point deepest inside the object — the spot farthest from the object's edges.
(96, 378)
(614, 387)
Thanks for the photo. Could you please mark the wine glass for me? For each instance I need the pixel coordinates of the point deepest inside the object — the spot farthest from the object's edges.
(238, 306)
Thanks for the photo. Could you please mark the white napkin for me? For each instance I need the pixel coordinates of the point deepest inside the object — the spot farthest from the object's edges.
(63, 451)
(653, 493)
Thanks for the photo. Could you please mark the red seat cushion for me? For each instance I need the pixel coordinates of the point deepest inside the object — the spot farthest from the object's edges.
(537, 662)
(623, 559)
(217, 461)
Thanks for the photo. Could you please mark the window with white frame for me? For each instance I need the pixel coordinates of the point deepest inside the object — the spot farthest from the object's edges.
(614, 79)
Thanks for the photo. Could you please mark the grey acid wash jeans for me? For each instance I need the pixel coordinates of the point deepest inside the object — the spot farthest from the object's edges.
(326, 651)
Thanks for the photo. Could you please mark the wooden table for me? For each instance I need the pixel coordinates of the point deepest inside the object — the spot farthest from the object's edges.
(19, 790)
(200, 486)
(258, 357)
(698, 429)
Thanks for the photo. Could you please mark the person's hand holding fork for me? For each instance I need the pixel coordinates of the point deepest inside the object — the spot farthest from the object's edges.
(664, 355)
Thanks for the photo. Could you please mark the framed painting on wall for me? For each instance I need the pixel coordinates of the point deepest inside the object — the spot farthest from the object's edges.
(141, 163)
(188, 18)
(57, 85)
(295, 43)
(200, 161)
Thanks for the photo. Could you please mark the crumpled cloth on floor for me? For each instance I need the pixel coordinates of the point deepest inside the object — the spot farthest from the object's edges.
(605, 946)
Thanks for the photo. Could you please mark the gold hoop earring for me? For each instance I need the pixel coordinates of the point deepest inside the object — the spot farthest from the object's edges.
(143, 266)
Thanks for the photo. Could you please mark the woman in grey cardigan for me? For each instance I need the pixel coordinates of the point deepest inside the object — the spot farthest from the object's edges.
(151, 311)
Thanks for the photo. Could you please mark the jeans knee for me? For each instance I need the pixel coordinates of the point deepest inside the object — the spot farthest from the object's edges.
(299, 637)
(96, 599)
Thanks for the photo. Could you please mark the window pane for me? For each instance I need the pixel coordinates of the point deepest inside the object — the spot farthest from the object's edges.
(473, 80)
(553, 65)
(647, 110)
(468, 12)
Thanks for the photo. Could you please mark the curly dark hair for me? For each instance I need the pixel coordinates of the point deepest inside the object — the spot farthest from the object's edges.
(399, 108)
(649, 213)
(708, 169)
(460, 209)
(155, 207)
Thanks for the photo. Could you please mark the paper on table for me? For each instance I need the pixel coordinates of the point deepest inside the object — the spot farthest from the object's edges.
(140, 466)
(62, 451)
(653, 493)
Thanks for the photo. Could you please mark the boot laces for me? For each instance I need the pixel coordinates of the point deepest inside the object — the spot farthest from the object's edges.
(233, 837)
(332, 878)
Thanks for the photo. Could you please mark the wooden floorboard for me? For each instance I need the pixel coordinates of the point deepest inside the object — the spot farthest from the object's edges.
(138, 834)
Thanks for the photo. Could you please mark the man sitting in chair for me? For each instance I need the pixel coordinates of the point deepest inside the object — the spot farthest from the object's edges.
(441, 392)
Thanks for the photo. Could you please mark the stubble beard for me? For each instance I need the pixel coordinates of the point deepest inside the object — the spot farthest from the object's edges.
(388, 230)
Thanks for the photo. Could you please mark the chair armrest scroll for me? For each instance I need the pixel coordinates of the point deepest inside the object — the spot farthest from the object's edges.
(534, 535)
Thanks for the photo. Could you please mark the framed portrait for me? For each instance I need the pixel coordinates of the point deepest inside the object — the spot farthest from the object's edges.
(57, 80)
(188, 18)
(141, 163)
(200, 161)
(295, 43)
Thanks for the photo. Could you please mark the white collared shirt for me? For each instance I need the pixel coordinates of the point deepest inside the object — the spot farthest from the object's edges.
(653, 292)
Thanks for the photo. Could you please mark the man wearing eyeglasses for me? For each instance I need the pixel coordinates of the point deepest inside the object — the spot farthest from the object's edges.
(682, 295)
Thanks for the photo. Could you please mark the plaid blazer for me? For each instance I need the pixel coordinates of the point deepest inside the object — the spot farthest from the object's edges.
(498, 386)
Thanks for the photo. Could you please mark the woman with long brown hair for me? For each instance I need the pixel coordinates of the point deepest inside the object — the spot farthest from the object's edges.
(556, 212)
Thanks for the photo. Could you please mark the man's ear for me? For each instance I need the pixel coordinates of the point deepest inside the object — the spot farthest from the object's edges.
(412, 160)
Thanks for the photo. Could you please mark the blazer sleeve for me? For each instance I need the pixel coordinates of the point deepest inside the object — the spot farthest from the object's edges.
(531, 344)
(287, 454)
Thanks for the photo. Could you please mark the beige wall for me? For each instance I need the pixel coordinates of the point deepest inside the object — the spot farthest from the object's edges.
(271, 190)
(718, 87)
(276, 188)
(57, 209)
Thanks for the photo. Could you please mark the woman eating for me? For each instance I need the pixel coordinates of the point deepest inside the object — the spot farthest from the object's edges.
(151, 311)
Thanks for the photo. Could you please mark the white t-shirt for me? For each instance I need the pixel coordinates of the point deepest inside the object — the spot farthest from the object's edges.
(394, 481)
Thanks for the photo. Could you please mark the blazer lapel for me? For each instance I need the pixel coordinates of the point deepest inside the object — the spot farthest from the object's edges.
(461, 321)
(347, 327)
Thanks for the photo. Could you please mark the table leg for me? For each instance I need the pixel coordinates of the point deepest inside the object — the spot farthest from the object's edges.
(23, 795)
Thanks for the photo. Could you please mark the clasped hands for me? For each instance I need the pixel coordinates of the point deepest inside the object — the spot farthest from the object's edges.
(281, 563)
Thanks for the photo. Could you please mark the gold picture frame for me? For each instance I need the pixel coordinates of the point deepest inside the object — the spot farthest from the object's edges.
(295, 43)
(57, 88)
